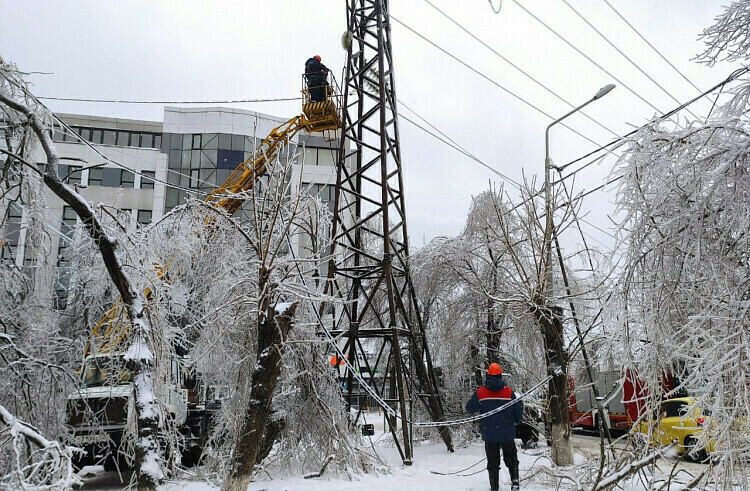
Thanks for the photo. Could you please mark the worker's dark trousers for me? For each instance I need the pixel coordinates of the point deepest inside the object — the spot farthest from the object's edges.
(510, 457)
(318, 92)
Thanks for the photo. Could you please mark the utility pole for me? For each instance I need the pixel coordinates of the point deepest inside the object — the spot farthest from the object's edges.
(369, 269)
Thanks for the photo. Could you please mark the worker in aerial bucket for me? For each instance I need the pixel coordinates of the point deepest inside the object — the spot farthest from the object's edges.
(499, 429)
(316, 74)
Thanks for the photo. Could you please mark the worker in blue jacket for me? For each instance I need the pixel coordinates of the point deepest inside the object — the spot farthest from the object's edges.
(498, 430)
(316, 74)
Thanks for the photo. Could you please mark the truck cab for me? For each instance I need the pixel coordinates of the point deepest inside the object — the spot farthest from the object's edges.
(99, 410)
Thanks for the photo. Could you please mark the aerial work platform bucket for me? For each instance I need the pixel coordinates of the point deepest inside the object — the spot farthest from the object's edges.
(321, 115)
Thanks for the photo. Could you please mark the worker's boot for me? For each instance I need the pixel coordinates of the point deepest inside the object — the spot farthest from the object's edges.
(494, 479)
(514, 483)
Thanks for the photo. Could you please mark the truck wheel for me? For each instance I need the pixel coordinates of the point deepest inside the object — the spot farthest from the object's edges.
(690, 445)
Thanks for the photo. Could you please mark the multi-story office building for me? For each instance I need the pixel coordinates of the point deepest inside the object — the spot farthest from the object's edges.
(151, 167)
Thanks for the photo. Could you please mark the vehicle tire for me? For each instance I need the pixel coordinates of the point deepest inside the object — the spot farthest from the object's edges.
(700, 455)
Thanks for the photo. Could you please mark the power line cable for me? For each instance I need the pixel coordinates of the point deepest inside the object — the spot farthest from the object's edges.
(451, 143)
(624, 55)
(492, 81)
(540, 84)
(651, 45)
(562, 38)
(732, 76)
(127, 101)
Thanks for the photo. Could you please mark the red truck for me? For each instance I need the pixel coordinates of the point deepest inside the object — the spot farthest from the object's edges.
(625, 396)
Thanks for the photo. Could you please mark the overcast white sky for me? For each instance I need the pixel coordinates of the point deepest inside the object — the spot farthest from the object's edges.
(190, 50)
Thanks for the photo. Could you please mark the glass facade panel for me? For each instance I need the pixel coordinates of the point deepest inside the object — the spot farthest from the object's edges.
(86, 134)
(147, 179)
(173, 161)
(172, 196)
(135, 139)
(210, 141)
(175, 142)
(110, 177)
(208, 158)
(326, 157)
(127, 179)
(195, 159)
(187, 141)
(95, 177)
(194, 178)
(196, 142)
(238, 142)
(229, 159)
(157, 141)
(225, 142)
(96, 136)
(71, 174)
(144, 216)
(147, 140)
(185, 158)
(309, 157)
(122, 138)
(108, 137)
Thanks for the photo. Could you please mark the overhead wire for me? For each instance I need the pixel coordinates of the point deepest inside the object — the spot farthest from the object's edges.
(637, 66)
(462, 151)
(129, 101)
(524, 72)
(489, 79)
(591, 60)
(651, 45)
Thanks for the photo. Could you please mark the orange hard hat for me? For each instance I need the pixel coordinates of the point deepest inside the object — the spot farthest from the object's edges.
(317, 57)
(495, 369)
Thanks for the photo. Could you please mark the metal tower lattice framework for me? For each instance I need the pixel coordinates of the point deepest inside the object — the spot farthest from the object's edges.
(380, 321)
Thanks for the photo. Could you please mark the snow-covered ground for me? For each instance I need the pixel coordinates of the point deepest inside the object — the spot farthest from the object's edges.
(465, 468)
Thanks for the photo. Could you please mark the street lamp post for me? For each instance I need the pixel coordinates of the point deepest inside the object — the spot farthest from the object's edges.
(547, 197)
(549, 318)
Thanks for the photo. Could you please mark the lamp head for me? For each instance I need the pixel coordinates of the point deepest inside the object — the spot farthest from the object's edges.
(603, 91)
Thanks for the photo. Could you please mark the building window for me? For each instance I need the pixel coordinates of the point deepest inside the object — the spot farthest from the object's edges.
(122, 138)
(196, 142)
(86, 134)
(147, 140)
(310, 157)
(326, 156)
(15, 213)
(71, 136)
(194, 180)
(127, 179)
(69, 219)
(135, 139)
(157, 141)
(144, 217)
(71, 174)
(147, 179)
(108, 137)
(95, 176)
(96, 136)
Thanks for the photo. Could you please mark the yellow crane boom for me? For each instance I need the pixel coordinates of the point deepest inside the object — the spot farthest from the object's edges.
(316, 117)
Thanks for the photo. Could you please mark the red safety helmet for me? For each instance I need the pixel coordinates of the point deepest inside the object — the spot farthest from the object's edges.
(495, 369)
(317, 57)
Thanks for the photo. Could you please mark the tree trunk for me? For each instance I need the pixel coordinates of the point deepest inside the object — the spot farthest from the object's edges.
(550, 322)
(272, 332)
(147, 468)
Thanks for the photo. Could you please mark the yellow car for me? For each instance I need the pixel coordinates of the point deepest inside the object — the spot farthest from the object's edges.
(679, 420)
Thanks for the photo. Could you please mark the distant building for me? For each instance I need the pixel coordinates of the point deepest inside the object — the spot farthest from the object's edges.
(159, 164)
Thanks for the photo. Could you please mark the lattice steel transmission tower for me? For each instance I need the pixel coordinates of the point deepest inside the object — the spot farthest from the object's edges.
(380, 321)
